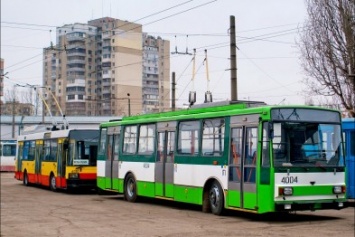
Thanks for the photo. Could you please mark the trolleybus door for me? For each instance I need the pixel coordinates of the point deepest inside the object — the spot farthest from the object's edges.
(38, 159)
(164, 165)
(61, 163)
(242, 162)
(19, 157)
(111, 169)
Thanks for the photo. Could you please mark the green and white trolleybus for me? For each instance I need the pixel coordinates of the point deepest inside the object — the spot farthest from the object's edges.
(235, 156)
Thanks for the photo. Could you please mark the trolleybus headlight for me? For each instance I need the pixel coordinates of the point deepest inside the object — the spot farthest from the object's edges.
(338, 189)
(73, 175)
(287, 191)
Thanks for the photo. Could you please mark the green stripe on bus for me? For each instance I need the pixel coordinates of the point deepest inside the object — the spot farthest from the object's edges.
(312, 190)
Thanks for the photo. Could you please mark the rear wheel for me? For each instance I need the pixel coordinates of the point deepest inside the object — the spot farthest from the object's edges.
(216, 198)
(52, 184)
(130, 190)
(25, 179)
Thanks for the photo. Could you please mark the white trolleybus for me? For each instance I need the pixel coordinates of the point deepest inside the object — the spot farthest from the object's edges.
(7, 155)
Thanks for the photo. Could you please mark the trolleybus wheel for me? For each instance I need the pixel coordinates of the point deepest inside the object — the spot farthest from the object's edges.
(25, 179)
(216, 198)
(52, 184)
(130, 190)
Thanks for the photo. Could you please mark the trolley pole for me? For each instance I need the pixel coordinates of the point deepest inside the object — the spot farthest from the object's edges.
(233, 59)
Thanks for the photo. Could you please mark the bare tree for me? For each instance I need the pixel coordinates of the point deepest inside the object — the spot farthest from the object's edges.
(327, 46)
(10, 95)
(25, 101)
(30, 96)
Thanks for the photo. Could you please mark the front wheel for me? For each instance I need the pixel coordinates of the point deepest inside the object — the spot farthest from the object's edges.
(130, 190)
(216, 198)
(25, 179)
(52, 184)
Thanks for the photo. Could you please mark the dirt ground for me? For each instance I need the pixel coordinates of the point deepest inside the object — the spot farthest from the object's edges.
(34, 211)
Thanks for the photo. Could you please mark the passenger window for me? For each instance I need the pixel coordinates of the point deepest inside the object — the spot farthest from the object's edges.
(213, 137)
(188, 138)
(265, 157)
(130, 140)
(146, 139)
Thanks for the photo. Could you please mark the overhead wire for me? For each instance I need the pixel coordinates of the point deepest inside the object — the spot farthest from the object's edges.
(136, 20)
(24, 60)
(19, 46)
(223, 44)
(257, 66)
(251, 39)
(190, 80)
(133, 28)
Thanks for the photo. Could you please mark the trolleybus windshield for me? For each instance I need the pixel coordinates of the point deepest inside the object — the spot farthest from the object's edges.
(306, 137)
(82, 148)
(307, 144)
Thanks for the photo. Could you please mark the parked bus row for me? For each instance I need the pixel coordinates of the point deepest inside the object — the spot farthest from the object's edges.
(239, 157)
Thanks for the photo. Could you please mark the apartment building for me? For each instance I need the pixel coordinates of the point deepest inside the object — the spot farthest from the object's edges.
(68, 70)
(156, 74)
(96, 69)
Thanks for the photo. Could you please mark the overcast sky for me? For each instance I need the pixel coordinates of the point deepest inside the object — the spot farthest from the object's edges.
(267, 56)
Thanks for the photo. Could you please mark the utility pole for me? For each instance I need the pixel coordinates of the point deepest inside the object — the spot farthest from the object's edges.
(233, 59)
(13, 117)
(173, 84)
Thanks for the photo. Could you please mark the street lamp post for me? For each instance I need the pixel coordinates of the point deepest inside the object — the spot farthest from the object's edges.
(128, 98)
(13, 112)
(129, 104)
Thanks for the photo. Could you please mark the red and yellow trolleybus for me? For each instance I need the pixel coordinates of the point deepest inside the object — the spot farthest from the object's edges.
(60, 159)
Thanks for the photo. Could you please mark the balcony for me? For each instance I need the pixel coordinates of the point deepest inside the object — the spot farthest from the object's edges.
(106, 106)
(150, 86)
(106, 82)
(76, 52)
(79, 61)
(106, 60)
(75, 69)
(106, 64)
(106, 90)
(71, 38)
